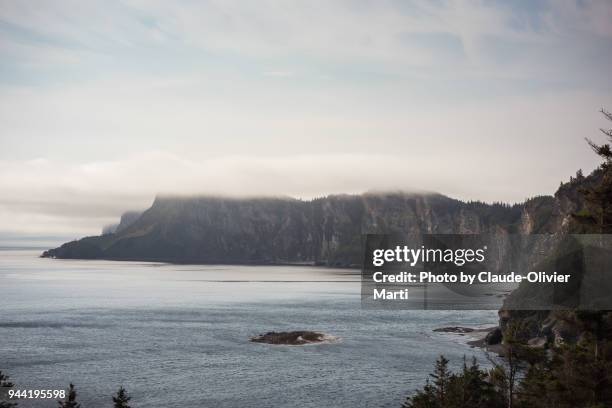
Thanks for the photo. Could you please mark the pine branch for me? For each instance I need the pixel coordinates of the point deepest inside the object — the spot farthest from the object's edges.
(601, 150)
(607, 132)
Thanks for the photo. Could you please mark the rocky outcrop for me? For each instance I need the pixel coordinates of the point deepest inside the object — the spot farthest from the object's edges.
(493, 337)
(294, 338)
(127, 219)
(455, 329)
(589, 293)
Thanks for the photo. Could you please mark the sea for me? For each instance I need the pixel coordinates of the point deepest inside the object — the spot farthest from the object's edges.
(178, 335)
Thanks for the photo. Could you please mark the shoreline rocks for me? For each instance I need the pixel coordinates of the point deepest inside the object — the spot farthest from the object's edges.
(493, 337)
(488, 338)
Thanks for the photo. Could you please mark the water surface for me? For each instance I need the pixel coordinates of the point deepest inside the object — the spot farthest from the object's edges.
(177, 335)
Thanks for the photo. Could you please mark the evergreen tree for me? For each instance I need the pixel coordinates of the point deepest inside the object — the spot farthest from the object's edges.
(425, 398)
(121, 399)
(5, 384)
(441, 378)
(599, 197)
(468, 389)
(537, 385)
(504, 375)
(604, 151)
(476, 390)
(582, 378)
(70, 400)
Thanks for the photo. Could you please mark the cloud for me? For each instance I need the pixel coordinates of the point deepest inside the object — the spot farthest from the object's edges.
(45, 196)
(279, 74)
(58, 198)
(337, 33)
(124, 100)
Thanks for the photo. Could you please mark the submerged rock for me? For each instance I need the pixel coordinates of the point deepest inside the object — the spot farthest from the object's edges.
(454, 329)
(293, 338)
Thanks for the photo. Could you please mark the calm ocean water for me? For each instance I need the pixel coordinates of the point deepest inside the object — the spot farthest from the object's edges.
(177, 335)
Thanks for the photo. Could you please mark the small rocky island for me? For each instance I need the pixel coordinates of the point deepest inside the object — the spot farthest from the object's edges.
(293, 338)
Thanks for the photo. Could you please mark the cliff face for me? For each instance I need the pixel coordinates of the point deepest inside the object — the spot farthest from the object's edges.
(126, 220)
(324, 231)
(282, 230)
(556, 216)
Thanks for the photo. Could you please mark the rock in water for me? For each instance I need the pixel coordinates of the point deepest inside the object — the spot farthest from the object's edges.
(294, 338)
(495, 336)
(454, 329)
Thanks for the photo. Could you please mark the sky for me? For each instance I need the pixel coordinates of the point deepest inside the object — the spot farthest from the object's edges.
(106, 104)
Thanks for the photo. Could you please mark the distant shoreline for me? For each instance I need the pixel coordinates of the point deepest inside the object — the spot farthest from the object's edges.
(195, 262)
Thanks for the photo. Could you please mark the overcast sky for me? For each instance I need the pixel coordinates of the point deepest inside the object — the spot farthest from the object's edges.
(105, 104)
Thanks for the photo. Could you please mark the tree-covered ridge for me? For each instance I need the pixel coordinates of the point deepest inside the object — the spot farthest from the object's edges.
(326, 231)
(568, 376)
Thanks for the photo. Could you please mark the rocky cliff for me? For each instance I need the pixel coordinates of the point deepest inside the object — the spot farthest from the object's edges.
(127, 219)
(283, 230)
(558, 216)
(325, 231)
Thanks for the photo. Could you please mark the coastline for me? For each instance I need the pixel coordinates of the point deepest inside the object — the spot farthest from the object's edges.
(476, 337)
